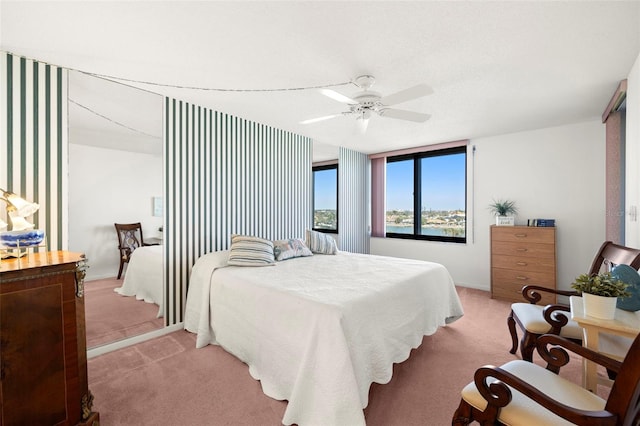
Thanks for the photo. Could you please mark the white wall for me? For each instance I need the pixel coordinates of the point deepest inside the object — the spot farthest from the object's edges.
(105, 187)
(632, 170)
(555, 173)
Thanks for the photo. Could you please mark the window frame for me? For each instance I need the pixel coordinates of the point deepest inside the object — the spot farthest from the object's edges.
(417, 194)
(315, 169)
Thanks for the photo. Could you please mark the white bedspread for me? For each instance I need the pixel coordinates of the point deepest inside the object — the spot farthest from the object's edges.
(143, 277)
(317, 331)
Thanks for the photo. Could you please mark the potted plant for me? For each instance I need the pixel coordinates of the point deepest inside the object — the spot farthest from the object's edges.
(600, 293)
(504, 210)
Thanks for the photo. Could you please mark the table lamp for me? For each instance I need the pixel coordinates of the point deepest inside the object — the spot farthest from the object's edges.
(22, 234)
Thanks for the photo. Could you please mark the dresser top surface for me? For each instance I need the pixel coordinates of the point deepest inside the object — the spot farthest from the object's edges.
(36, 260)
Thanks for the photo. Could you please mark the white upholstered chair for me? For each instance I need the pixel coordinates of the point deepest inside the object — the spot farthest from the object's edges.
(524, 393)
(536, 320)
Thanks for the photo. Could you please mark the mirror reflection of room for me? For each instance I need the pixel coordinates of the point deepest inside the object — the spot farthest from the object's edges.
(115, 177)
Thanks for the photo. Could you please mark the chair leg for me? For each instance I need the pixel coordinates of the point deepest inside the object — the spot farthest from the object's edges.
(511, 323)
(463, 415)
(120, 270)
(528, 345)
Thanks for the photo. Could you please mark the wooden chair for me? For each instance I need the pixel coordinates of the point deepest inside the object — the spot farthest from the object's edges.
(536, 320)
(543, 397)
(129, 238)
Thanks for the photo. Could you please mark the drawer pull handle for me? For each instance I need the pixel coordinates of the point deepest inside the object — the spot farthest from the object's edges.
(521, 235)
(521, 278)
(521, 249)
(521, 263)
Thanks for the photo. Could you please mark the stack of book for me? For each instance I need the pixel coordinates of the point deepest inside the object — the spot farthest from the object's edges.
(541, 222)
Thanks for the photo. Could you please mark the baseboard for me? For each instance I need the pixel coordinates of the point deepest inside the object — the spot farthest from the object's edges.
(103, 349)
(105, 276)
(473, 286)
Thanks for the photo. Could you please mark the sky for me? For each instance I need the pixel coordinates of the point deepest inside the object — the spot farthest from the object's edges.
(443, 184)
(325, 189)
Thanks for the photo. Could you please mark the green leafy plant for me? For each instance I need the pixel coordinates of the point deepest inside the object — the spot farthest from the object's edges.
(503, 207)
(602, 284)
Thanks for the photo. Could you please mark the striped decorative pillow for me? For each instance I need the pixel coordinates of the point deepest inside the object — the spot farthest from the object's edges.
(287, 249)
(321, 243)
(250, 251)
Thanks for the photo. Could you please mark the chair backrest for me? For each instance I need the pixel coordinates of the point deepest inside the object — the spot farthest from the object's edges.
(624, 398)
(129, 236)
(615, 254)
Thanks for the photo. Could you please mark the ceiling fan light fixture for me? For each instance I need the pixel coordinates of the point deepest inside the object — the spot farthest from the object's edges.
(363, 123)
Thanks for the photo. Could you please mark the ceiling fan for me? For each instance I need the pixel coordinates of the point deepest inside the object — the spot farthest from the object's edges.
(366, 102)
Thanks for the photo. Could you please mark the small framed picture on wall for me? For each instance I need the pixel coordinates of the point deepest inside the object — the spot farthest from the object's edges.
(157, 206)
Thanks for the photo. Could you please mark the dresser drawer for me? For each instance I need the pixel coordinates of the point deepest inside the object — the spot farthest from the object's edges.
(523, 234)
(522, 278)
(517, 248)
(513, 292)
(523, 263)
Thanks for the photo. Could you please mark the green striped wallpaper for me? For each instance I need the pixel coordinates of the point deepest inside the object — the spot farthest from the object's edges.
(223, 174)
(353, 201)
(33, 141)
(226, 175)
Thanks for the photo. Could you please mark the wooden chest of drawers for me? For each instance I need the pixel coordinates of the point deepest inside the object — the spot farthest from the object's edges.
(522, 255)
(43, 355)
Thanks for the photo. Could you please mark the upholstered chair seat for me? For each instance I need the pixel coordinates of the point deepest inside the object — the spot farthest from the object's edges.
(522, 410)
(524, 393)
(532, 319)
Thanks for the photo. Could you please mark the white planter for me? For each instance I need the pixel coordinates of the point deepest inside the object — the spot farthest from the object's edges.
(599, 306)
(505, 220)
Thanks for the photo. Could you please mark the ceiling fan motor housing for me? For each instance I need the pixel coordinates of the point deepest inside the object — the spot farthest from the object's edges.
(367, 101)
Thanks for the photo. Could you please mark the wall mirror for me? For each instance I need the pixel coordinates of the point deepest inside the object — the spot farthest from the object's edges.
(115, 176)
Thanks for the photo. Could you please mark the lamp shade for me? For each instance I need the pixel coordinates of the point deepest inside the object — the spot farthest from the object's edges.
(23, 207)
(18, 222)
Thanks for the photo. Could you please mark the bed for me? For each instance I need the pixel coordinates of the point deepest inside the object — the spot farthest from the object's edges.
(143, 277)
(318, 330)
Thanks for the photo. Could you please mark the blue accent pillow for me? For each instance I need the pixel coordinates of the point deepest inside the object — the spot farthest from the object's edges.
(627, 274)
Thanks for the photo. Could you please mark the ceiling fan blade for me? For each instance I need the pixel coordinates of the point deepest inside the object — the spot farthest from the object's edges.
(338, 96)
(317, 119)
(406, 95)
(401, 114)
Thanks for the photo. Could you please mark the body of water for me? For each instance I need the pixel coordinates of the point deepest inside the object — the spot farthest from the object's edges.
(426, 230)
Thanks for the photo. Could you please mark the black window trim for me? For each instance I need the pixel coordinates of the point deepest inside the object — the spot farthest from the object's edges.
(313, 207)
(417, 201)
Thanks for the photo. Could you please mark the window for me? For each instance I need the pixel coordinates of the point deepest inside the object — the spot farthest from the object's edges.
(325, 198)
(426, 195)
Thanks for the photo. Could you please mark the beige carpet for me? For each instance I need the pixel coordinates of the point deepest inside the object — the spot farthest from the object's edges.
(166, 381)
(111, 317)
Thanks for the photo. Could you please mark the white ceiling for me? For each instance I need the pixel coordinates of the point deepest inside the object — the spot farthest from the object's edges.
(495, 67)
(112, 115)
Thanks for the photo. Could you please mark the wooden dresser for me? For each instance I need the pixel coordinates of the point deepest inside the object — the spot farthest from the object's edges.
(522, 255)
(43, 356)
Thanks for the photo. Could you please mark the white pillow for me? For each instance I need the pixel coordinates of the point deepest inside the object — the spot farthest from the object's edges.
(250, 251)
(288, 249)
(321, 243)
